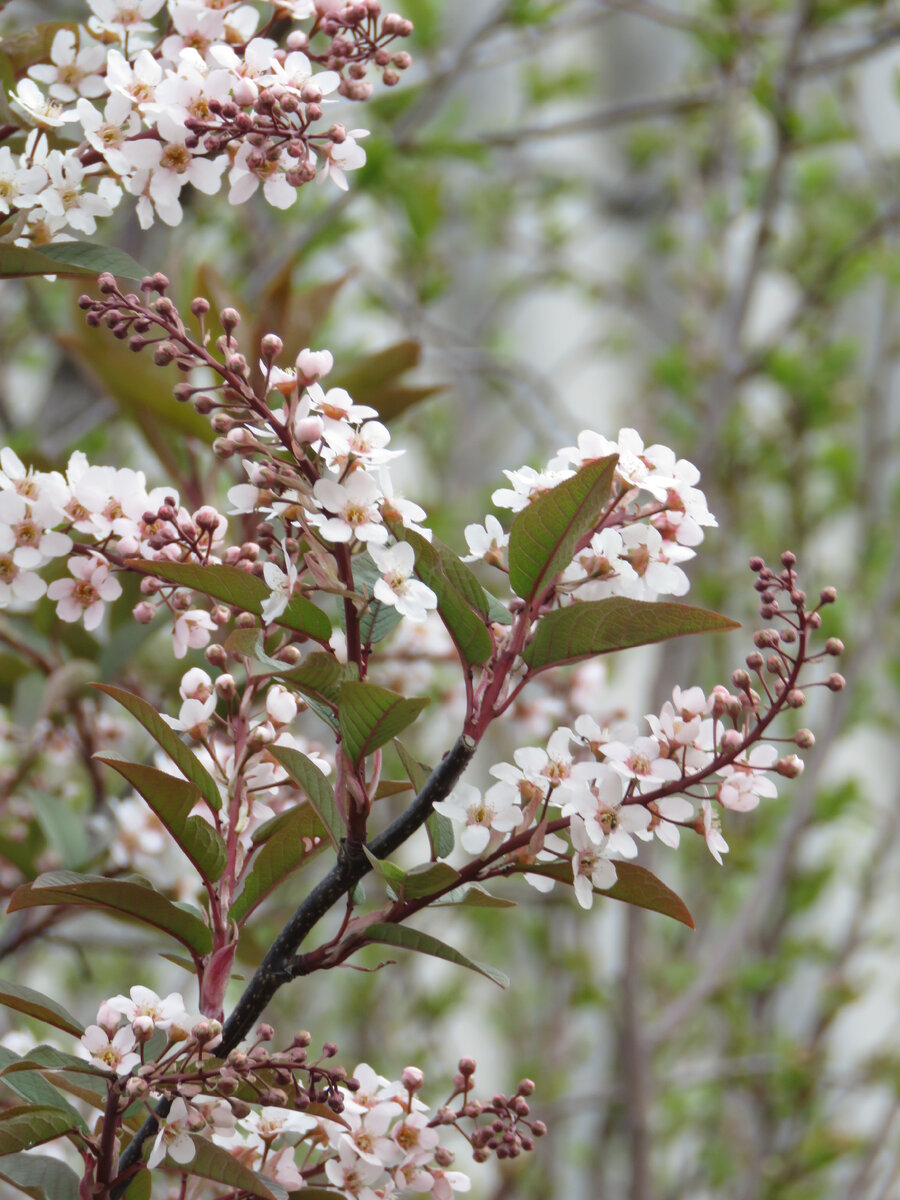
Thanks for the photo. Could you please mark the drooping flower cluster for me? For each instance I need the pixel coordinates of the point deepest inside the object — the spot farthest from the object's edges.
(378, 1141)
(163, 94)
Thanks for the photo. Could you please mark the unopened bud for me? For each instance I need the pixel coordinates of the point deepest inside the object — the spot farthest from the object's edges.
(835, 683)
(144, 612)
(834, 647)
(805, 739)
(412, 1078)
(790, 766)
(795, 698)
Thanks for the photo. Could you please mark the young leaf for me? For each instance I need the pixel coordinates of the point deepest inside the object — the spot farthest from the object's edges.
(187, 762)
(462, 603)
(172, 799)
(370, 716)
(29, 1125)
(318, 677)
(214, 1162)
(40, 1177)
(121, 898)
(282, 853)
(583, 630)
(244, 591)
(36, 1004)
(544, 535)
(424, 943)
(315, 787)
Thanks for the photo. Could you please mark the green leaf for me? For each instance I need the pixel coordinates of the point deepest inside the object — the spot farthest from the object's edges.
(393, 876)
(428, 879)
(545, 535)
(244, 591)
(370, 716)
(20, 262)
(462, 603)
(31, 1085)
(187, 762)
(424, 943)
(94, 259)
(214, 1162)
(319, 677)
(40, 1177)
(309, 779)
(635, 885)
(583, 630)
(141, 1186)
(29, 1125)
(48, 1058)
(36, 1004)
(119, 897)
(172, 799)
(281, 853)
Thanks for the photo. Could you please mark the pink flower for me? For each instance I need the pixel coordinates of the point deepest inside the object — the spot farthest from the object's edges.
(86, 593)
(192, 630)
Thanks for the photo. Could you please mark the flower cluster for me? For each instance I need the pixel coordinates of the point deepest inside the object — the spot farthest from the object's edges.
(656, 518)
(609, 787)
(118, 519)
(214, 95)
(295, 1119)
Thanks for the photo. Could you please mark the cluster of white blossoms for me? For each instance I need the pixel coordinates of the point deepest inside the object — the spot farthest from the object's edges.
(382, 1144)
(41, 510)
(207, 100)
(610, 786)
(658, 519)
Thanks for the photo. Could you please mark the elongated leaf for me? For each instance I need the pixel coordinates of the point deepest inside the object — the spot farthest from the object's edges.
(583, 630)
(319, 677)
(35, 1089)
(282, 853)
(119, 897)
(187, 762)
(19, 262)
(635, 885)
(214, 1162)
(141, 1186)
(462, 603)
(172, 799)
(370, 716)
(39, 1176)
(48, 1058)
(318, 791)
(29, 1125)
(424, 943)
(244, 591)
(94, 259)
(544, 535)
(36, 1004)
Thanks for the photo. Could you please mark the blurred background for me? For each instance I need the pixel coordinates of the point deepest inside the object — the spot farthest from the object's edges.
(676, 216)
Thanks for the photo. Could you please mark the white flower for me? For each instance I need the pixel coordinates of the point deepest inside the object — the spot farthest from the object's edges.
(72, 73)
(43, 111)
(486, 541)
(191, 631)
(495, 810)
(108, 131)
(142, 1002)
(173, 1138)
(19, 185)
(396, 587)
(116, 1053)
(86, 593)
(641, 761)
(744, 785)
(712, 831)
(590, 866)
(354, 505)
(281, 587)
